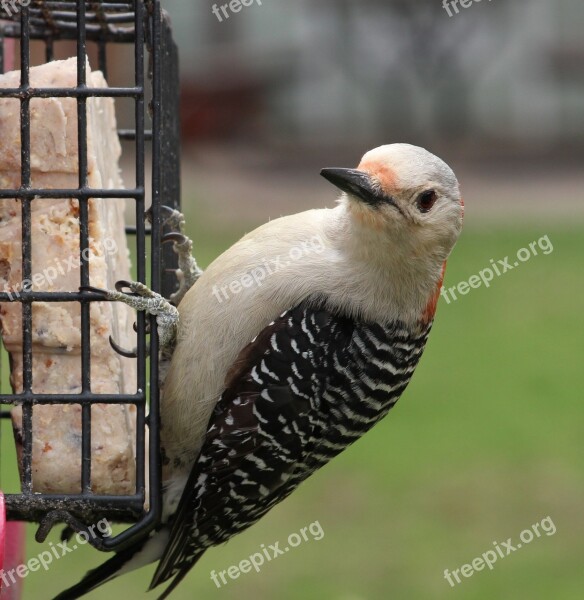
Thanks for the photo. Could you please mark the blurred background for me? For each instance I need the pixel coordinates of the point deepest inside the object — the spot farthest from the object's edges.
(278, 90)
(487, 440)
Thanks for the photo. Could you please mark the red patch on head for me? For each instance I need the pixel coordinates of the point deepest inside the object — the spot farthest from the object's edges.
(386, 175)
(430, 309)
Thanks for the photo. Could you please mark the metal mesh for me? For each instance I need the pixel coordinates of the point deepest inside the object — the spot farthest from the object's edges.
(142, 24)
(113, 20)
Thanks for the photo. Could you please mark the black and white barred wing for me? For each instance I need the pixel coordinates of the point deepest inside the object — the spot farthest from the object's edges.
(307, 387)
(258, 435)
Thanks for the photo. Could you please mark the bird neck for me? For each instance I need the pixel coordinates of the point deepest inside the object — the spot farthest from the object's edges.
(391, 278)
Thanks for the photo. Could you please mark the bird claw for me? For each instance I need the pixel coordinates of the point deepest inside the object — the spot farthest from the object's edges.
(173, 219)
(141, 298)
(94, 290)
(122, 285)
(175, 237)
(170, 218)
(146, 327)
(125, 353)
(188, 270)
(129, 353)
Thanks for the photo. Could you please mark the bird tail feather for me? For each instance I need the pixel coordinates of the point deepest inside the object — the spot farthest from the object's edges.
(102, 574)
(136, 556)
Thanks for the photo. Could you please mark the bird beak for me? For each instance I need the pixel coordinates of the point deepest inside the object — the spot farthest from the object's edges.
(354, 182)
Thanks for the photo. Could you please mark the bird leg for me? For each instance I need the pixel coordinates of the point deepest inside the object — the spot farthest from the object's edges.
(143, 298)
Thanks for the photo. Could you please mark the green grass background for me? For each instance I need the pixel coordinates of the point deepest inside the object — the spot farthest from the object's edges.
(486, 441)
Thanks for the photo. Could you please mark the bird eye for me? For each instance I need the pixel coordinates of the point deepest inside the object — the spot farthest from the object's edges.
(426, 200)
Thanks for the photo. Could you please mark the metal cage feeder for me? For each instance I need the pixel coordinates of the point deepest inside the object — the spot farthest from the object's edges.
(143, 25)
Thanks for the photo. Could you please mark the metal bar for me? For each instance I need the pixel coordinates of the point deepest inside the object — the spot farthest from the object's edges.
(92, 17)
(154, 421)
(136, 399)
(97, 498)
(56, 92)
(140, 243)
(49, 49)
(24, 296)
(91, 508)
(32, 193)
(102, 57)
(72, 5)
(130, 134)
(83, 246)
(133, 231)
(116, 35)
(51, 12)
(170, 145)
(25, 182)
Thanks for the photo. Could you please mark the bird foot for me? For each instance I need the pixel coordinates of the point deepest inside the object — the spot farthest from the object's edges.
(142, 298)
(188, 270)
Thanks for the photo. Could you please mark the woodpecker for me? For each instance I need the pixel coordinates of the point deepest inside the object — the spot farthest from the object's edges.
(271, 377)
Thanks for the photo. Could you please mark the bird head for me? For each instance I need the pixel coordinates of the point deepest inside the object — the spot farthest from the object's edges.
(405, 194)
